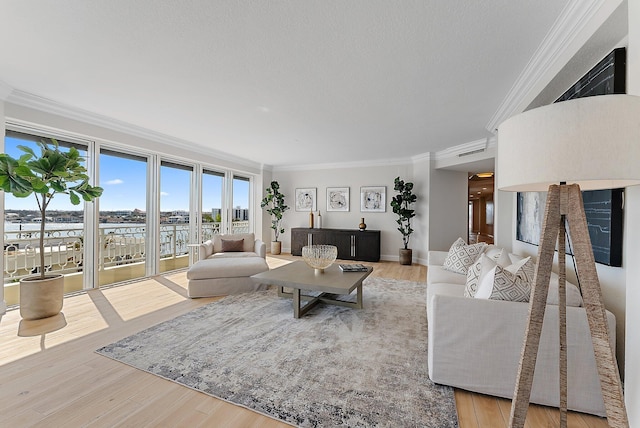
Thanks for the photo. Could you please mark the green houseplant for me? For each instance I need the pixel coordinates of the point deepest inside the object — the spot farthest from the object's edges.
(46, 175)
(274, 200)
(400, 204)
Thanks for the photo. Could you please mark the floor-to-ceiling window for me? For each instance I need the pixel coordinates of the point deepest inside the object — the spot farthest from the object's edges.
(175, 216)
(151, 209)
(211, 203)
(240, 212)
(64, 234)
(123, 217)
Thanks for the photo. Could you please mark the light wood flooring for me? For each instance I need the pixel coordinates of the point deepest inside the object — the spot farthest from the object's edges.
(50, 375)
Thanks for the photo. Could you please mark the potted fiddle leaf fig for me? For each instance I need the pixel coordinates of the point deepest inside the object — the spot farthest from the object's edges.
(46, 175)
(401, 204)
(274, 200)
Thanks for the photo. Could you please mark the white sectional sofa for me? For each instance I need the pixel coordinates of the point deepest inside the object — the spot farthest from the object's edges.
(475, 344)
(219, 272)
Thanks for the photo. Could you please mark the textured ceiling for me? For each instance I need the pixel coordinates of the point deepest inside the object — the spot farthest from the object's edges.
(280, 82)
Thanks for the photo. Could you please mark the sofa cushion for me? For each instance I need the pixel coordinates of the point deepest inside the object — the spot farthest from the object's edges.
(461, 256)
(228, 267)
(438, 274)
(233, 254)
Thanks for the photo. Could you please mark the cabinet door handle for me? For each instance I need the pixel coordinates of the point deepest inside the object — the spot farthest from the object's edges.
(353, 246)
(309, 239)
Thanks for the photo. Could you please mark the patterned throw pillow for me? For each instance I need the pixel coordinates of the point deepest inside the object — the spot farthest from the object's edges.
(461, 256)
(476, 272)
(507, 286)
(506, 283)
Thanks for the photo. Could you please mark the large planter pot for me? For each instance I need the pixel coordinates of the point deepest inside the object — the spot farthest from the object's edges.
(41, 298)
(276, 247)
(406, 256)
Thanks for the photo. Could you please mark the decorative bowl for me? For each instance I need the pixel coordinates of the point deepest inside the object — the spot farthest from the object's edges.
(319, 257)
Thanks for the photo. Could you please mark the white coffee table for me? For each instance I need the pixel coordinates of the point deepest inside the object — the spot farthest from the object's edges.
(331, 284)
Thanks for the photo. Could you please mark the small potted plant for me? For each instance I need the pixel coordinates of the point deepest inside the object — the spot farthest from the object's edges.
(400, 205)
(51, 173)
(276, 208)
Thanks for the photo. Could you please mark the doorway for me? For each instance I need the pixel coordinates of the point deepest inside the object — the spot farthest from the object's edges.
(481, 208)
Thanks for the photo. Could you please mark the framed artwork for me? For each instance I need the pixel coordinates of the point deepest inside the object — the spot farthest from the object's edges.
(337, 199)
(306, 199)
(373, 199)
(604, 212)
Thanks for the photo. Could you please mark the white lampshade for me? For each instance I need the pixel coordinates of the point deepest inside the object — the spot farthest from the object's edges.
(592, 141)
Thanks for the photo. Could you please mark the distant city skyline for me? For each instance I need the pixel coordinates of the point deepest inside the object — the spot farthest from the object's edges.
(124, 183)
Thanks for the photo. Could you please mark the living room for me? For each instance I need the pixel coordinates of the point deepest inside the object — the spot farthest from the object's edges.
(439, 172)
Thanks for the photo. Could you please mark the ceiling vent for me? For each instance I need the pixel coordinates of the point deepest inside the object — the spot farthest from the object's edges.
(472, 152)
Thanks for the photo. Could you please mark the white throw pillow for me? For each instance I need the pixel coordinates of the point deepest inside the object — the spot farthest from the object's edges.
(461, 256)
(476, 272)
(505, 283)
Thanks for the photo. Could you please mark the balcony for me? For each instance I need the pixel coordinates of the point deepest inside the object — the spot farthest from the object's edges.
(122, 253)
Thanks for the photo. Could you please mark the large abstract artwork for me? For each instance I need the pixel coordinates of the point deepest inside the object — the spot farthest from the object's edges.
(604, 212)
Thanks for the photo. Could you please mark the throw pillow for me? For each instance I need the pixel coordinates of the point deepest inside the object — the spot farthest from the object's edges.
(500, 284)
(476, 272)
(232, 245)
(506, 282)
(461, 256)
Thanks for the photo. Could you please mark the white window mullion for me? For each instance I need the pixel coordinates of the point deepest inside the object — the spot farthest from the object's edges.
(195, 212)
(92, 222)
(152, 246)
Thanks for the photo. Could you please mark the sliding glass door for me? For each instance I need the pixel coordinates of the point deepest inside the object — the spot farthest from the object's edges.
(240, 212)
(64, 231)
(175, 216)
(212, 207)
(123, 231)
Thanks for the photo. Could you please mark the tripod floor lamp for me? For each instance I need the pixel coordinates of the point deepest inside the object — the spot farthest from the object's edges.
(563, 148)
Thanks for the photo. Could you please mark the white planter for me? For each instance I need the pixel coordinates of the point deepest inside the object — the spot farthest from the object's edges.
(276, 247)
(41, 298)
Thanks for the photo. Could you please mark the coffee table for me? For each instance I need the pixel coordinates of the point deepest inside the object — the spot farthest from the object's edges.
(330, 283)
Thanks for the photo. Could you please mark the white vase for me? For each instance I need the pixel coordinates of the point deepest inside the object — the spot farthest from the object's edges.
(41, 298)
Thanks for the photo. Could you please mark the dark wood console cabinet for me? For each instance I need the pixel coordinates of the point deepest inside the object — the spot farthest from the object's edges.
(352, 244)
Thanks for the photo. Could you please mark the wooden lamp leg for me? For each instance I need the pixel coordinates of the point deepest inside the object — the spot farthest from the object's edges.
(537, 306)
(610, 383)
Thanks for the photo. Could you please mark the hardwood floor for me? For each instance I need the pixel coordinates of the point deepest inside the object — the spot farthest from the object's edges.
(50, 375)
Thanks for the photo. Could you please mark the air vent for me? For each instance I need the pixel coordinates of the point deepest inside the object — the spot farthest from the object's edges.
(472, 152)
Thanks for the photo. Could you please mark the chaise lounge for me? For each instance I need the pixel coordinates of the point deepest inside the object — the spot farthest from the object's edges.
(225, 265)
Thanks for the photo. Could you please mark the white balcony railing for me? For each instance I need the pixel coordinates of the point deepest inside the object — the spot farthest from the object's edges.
(118, 244)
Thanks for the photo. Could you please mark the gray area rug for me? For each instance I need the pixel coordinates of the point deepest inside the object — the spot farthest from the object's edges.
(334, 367)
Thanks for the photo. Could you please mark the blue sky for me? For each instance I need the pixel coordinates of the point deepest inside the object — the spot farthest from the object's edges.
(124, 183)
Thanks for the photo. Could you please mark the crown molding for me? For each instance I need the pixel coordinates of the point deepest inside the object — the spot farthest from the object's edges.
(46, 105)
(575, 17)
(339, 165)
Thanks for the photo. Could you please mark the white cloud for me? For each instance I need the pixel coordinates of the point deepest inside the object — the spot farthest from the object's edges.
(164, 194)
(115, 181)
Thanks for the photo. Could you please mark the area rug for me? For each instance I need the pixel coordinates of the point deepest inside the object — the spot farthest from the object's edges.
(336, 366)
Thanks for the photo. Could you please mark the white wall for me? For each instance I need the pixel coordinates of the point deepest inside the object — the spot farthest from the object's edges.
(631, 257)
(448, 207)
(422, 184)
(352, 177)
